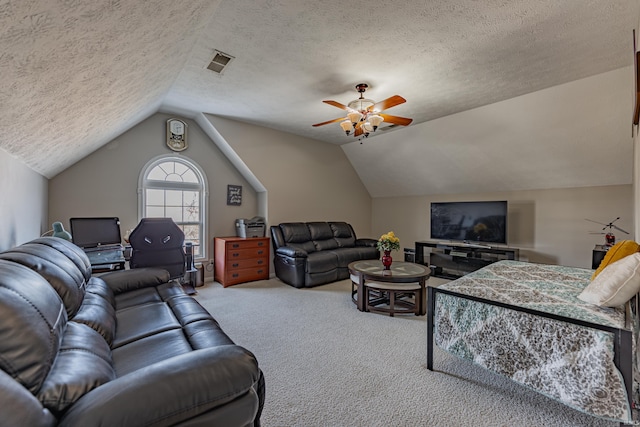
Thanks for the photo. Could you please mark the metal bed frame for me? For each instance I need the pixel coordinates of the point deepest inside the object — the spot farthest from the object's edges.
(622, 343)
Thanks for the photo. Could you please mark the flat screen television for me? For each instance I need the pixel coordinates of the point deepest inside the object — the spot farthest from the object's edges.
(472, 222)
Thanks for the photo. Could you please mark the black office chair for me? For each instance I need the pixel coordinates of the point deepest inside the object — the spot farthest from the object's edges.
(158, 242)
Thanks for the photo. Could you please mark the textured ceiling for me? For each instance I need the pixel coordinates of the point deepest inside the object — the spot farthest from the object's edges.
(77, 73)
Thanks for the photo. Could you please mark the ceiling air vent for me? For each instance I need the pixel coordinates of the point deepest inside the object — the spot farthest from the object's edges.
(219, 62)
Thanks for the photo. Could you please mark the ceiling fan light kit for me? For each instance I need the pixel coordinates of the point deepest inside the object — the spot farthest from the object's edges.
(364, 115)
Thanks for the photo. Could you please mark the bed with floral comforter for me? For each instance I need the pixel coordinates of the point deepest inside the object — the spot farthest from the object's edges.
(524, 321)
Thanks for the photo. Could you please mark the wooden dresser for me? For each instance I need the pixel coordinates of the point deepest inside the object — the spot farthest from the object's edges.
(240, 260)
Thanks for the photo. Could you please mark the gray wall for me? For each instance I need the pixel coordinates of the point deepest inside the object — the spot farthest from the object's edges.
(306, 180)
(23, 205)
(548, 226)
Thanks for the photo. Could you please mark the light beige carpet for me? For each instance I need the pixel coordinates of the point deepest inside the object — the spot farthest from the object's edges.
(327, 364)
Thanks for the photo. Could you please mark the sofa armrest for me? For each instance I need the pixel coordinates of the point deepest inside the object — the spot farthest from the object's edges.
(128, 280)
(291, 252)
(366, 242)
(172, 391)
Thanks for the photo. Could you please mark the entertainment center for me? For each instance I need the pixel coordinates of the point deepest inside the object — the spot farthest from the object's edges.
(466, 236)
(450, 260)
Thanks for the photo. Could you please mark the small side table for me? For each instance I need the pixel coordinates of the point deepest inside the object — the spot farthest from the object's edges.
(599, 251)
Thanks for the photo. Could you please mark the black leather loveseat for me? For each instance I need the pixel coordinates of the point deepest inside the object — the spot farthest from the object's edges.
(125, 349)
(309, 254)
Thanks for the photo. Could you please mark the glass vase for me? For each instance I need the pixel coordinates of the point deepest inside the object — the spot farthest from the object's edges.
(387, 260)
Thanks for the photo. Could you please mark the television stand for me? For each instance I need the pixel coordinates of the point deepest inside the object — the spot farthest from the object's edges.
(450, 260)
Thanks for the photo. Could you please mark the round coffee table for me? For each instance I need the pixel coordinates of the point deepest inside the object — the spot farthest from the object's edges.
(389, 291)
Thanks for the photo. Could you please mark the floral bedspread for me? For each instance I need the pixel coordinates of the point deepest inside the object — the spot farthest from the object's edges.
(568, 363)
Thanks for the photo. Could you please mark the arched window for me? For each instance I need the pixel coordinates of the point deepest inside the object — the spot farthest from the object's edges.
(175, 187)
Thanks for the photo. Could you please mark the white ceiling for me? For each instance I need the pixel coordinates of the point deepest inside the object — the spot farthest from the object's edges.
(554, 80)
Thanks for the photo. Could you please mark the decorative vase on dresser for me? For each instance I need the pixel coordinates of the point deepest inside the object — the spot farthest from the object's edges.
(240, 260)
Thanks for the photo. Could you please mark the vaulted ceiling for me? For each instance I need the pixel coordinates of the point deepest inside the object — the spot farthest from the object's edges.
(503, 94)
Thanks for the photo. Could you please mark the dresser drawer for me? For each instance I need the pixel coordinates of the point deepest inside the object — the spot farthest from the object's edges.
(246, 253)
(238, 264)
(247, 243)
(233, 277)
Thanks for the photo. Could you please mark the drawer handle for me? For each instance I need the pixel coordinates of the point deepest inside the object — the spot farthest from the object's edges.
(235, 245)
(260, 271)
(260, 252)
(235, 254)
(260, 243)
(234, 275)
(235, 265)
(260, 262)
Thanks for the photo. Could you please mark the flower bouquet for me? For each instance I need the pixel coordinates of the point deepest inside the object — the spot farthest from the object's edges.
(387, 243)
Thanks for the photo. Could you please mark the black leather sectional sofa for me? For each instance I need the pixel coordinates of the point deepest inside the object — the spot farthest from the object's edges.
(129, 348)
(308, 254)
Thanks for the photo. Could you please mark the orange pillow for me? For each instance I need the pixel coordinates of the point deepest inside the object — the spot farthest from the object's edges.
(615, 253)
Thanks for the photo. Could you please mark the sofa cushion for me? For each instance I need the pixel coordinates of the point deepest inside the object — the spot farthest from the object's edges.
(343, 233)
(320, 262)
(320, 230)
(98, 287)
(297, 235)
(325, 245)
(295, 232)
(187, 310)
(82, 364)
(25, 410)
(99, 315)
(135, 323)
(322, 236)
(149, 350)
(348, 255)
(61, 273)
(137, 297)
(206, 333)
(71, 251)
(33, 323)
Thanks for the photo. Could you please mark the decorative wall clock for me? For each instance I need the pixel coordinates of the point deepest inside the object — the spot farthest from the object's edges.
(177, 135)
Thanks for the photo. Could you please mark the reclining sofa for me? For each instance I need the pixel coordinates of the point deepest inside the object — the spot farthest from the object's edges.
(128, 348)
(308, 254)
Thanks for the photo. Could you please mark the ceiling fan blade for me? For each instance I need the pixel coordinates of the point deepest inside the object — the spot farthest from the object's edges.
(402, 121)
(387, 103)
(336, 104)
(329, 121)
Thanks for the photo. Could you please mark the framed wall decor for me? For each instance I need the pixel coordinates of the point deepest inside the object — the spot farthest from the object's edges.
(177, 135)
(234, 195)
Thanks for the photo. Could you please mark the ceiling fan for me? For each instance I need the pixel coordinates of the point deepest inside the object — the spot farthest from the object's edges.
(364, 115)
